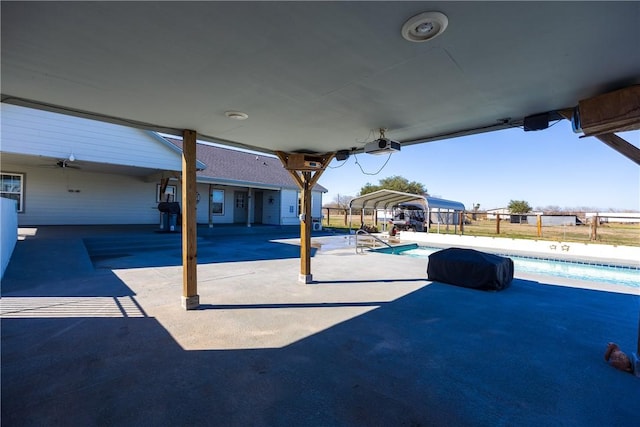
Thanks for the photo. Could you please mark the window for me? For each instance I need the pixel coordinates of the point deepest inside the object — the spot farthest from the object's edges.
(169, 194)
(12, 187)
(240, 200)
(217, 202)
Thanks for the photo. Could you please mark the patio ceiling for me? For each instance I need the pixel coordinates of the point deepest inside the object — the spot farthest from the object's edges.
(314, 76)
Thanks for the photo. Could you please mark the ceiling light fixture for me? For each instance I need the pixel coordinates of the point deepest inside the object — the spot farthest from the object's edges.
(424, 26)
(236, 115)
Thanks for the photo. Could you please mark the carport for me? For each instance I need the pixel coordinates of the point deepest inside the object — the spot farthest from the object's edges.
(435, 208)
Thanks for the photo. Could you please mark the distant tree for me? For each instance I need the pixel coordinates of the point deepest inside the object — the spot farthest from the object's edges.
(342, 201)
(476, 208)
(519, 207)
(396, 183)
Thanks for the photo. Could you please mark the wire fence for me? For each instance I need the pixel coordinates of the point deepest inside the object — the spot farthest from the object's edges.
(605, 229)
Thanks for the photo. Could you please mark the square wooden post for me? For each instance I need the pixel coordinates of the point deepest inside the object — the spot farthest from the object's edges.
(190, 298)
(305, 172)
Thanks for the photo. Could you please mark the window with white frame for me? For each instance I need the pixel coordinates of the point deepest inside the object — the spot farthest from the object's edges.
(12, 187)
(169, 194)
(217, 202)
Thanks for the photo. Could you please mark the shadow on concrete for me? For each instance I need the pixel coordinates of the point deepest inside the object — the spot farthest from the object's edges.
(442, 355)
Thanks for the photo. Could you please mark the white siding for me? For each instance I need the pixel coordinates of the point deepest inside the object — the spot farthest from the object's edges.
(202, 209)
(316, 204)
(71, 196)
(289, 207)
(42, 133)
(270, 211)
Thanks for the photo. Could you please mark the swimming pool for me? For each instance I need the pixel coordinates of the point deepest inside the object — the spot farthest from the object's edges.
(627, 276)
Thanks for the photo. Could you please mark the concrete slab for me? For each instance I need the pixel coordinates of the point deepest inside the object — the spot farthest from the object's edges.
(369, 342)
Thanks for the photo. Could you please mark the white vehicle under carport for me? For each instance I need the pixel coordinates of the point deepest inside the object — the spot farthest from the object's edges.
(409, 217)
(419, 212)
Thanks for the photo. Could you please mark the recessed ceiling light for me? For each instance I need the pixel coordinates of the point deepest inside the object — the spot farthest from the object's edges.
(424, 26)
(236, 115)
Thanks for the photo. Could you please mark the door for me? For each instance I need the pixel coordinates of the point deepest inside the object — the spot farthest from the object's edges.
(240, 207)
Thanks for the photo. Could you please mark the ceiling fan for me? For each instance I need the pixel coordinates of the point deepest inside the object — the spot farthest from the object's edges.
(66, 163)
(63, 164)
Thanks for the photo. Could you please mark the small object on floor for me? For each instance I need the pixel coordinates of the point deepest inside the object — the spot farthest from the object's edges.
(617, 358)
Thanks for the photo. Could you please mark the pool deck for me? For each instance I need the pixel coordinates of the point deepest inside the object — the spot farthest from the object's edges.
(93, 334)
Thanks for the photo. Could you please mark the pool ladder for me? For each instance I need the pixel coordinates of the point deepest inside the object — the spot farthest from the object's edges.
(367, 240)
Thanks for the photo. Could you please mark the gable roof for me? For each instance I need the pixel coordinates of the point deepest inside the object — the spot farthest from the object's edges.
(240, 168)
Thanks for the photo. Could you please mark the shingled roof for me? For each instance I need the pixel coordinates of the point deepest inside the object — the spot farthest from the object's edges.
(239, 168)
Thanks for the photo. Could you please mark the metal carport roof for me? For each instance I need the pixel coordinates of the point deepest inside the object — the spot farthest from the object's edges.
(384, 199)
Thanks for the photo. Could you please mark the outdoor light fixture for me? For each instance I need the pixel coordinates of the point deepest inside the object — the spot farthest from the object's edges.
(236, 115)
(424, 26)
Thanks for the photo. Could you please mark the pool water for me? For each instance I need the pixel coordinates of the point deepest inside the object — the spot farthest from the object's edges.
(628, 276)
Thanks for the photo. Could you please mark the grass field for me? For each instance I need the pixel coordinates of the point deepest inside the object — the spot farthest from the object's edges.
(607, 233)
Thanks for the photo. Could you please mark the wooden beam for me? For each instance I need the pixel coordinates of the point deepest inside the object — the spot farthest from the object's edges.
(190, 298)
(616, 111)
(621, 146)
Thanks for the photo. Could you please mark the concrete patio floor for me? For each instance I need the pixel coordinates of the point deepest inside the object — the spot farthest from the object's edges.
(93, 334)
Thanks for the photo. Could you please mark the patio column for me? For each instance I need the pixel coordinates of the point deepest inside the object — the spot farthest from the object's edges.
(190, 298)
(305, 169)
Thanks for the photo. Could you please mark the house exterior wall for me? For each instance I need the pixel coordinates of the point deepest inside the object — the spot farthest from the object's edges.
(316, 204)
(289, 207)
(42, 133)
(73, 197)
(270, 210)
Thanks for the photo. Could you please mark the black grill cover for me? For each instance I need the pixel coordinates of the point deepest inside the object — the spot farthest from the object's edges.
(169, 207)
(470, 268)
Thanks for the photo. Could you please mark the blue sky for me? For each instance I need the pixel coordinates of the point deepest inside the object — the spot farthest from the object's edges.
(552, 167)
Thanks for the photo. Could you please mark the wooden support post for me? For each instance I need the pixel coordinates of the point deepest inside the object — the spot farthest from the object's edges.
(305, 230)
(190, 297)
(306, 178)
(594, 228)
(539, 224)
(497, 223)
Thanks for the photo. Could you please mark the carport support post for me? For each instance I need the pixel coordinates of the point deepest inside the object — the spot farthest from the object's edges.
(306, 180)
(190, 297)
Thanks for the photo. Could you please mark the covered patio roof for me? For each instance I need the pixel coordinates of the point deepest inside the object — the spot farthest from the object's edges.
(384, 199)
